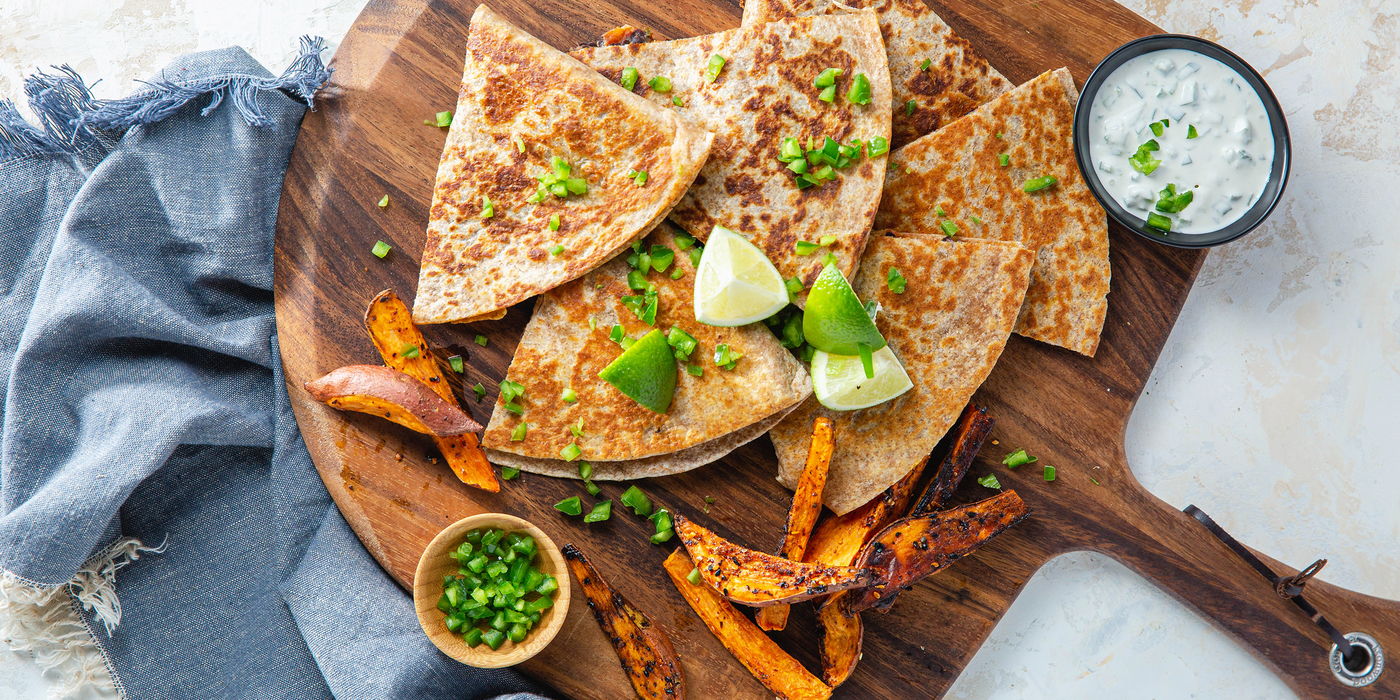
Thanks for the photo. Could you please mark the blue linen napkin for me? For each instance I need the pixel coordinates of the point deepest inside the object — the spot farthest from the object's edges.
(143, 397)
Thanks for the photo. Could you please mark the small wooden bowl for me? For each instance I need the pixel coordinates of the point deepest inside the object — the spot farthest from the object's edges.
(435, 564)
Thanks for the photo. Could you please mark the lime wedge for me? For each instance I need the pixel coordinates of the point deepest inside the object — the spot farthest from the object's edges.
(840, 384)
(735, 282)
(645, 372)
(834, 320)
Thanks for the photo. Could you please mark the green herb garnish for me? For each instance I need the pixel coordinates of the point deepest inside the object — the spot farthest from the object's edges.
(443, 119)
(480, 392)
(726, 356)
(629, 78)
(895, 281)
(508, 473)
(636, 500)
(600, 512)
(570, 452)
(569, 396)
(806, 247)
(1017, 458)
(990, 481)
(457, 364)
(518, 434)
(481, 340)
(1049, 473)
(383, 202)
(909, 107)
(1004, 159)
(828, 94)
(409, 351)
(556, 250)
(1158, 221)
(693, 577)
(925, 64)
(380, 249)
(682, 343)
(488, 209)
(859, 93)
(877, 146)
(714, 68)
(827, 78)
(569, 506)
(1170, 202)
(1039, 183)
(660, 84)
(1191, 131)
(950, 229)
(1142, 161)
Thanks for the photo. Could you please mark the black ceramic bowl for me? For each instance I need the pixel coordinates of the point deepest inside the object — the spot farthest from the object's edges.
(1283, 149)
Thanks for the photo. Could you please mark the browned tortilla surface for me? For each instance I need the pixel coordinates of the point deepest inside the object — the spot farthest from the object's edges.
(958, 169)
(765, 94)
(517, 88)
(561, 349)
(948, 328)
(956, 81)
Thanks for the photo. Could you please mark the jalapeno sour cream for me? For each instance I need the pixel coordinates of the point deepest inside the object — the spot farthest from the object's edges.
(1181, 140)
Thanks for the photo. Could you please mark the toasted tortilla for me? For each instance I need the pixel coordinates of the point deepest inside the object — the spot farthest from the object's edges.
(948, 329)
(710, 415)
(764, 94)
(958, 169)
(956, 81)
(517, 90)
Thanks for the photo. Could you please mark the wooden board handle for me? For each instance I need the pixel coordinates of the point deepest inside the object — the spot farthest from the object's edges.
(1181, 556)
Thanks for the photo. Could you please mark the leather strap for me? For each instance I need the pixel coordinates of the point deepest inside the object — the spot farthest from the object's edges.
(1290, 587)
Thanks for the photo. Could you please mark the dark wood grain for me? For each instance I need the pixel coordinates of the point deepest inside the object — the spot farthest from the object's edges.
(401, 62)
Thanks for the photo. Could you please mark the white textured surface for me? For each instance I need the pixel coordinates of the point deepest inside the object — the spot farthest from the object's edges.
(1272, 407)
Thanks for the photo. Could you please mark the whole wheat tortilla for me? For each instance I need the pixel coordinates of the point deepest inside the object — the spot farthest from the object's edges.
(709, 416)
(518, 91)
(947, 328)
(957, 169)
(956, 81)
(764, 94)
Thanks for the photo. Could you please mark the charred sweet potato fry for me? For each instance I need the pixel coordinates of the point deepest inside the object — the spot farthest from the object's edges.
(772, 666)
(837, 542)
(392, 395)
(838, 539)
(840, 637)
(390, 326)
(802, 515)
(973, 428)
(646, 653)
(757, 579)
(914, 547)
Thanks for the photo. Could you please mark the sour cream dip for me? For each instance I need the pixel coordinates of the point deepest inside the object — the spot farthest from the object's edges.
(1172, 122)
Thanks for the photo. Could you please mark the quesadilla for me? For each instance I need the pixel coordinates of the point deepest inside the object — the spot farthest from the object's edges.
(763, 93)
(1007, 171)
(947, 328)
(930, 65)
(574, 334)
(533, 188)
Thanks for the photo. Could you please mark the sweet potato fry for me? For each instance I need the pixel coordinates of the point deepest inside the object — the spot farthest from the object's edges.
(802, 515)
(390, 326)
(838, 539)
(840, 638)
(647, 656)
(973, 428)
(772, 666)
(915, 547)
(392, 395)
(837, 542)
(757, 579)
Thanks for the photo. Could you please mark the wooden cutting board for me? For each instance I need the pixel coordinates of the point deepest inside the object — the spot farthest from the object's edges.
(402, 61)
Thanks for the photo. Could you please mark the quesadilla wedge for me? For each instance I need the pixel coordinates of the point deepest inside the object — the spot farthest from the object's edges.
(569, 340)
(930, 65)
(1007, 171)
(533, 187)
(764, 92)
(947, 328)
